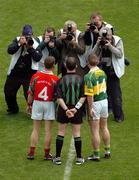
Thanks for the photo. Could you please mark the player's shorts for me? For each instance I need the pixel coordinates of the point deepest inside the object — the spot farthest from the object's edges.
(43, 110)
(62, 118)
(100, 109)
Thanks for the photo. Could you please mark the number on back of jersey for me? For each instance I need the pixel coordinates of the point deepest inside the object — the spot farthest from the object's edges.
(43, 94)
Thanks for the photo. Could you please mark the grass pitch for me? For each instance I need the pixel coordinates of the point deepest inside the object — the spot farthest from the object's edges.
(15, 130)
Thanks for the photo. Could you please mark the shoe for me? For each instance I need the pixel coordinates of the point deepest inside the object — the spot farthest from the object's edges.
(48, 157)
(107, 155)
(79, 161)
(119, 120)
(93, 158)
(57, 160)
(30, 157)
(11, 112)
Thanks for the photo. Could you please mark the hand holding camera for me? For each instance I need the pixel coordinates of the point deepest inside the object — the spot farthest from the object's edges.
(92, 27)
(22, 41)
(25, 40)
(103, 40)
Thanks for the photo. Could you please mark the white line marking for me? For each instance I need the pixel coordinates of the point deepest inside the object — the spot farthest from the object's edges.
(71, 155)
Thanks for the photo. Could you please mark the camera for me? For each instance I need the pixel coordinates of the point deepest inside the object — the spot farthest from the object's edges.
(30, 41)
(103, 40)
(52, 38)
(92, 26)
(70, 34)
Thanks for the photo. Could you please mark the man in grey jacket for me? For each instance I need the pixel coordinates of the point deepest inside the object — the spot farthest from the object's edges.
(109, 49)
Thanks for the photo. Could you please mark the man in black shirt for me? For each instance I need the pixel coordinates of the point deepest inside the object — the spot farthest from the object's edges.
(70, 92)
(24, 63)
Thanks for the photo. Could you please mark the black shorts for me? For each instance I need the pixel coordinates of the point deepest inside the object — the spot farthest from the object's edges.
(62, 118)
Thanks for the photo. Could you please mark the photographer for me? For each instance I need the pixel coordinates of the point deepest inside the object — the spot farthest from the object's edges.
(24, 63)
(47, 45)
(109, 49)
(70, 43)
(92, 32)
(93, 27)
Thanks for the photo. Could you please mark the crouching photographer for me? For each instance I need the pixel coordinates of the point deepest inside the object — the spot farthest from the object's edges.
(24, 63)
(109, 49)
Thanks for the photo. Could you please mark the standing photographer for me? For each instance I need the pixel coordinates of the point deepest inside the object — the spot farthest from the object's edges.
(24, 63)
(109, 49)
(47, 45)
(93, 27)
(70, 43)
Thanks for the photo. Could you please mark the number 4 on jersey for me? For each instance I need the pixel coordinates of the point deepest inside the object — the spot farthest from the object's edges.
(43, 94)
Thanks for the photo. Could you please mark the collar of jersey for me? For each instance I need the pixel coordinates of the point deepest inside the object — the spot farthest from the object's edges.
(46, 71)
(94, 69)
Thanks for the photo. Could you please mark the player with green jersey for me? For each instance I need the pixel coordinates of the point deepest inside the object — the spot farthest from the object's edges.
(95, 89)
(96, 84)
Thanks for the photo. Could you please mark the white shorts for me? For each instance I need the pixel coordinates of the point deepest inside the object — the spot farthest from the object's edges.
(43, 110)
(100, 109)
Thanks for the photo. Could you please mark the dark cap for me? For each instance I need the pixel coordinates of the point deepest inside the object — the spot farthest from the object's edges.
(27, 30)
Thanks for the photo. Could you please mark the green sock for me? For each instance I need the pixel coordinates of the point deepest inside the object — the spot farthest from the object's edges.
(97, 153)
(107, 149)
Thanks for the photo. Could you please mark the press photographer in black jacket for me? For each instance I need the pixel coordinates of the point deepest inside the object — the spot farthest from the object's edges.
(24, 63)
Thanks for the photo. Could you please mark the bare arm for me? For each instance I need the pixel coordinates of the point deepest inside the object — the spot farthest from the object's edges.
(29, 103)
(90, 100)
(62, 103)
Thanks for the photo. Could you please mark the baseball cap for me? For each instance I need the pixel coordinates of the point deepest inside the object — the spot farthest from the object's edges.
(27, 30)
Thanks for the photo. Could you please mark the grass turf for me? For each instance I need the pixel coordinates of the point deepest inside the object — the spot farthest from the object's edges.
(15, 130)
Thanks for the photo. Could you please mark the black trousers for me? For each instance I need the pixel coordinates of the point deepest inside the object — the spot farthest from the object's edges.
(11, 88)
(115, 96)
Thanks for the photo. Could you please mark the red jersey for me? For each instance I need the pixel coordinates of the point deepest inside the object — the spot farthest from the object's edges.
(43, 86)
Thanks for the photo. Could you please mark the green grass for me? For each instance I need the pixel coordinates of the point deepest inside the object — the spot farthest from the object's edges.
(15, 130)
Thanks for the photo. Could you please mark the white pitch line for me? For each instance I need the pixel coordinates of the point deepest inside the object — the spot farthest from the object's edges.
(71, 155)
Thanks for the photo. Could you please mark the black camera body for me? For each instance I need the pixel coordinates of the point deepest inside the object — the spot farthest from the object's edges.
(30, 41)
(52, 38)
(70, 34)
(92, 26)
(103, 40)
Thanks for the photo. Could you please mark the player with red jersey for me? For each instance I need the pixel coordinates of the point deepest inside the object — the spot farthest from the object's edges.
(41, 97)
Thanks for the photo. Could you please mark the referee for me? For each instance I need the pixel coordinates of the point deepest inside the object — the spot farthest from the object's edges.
(70, 92)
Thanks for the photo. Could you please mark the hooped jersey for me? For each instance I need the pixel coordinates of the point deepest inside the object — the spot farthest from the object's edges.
(95, 84)
(43, 86)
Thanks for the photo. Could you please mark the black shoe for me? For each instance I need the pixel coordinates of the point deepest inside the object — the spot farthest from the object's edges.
(119, 120)
(107, 155)
(30, 157)
(11, 112)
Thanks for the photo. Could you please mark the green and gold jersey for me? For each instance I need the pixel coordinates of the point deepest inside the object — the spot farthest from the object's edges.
(95, 84)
